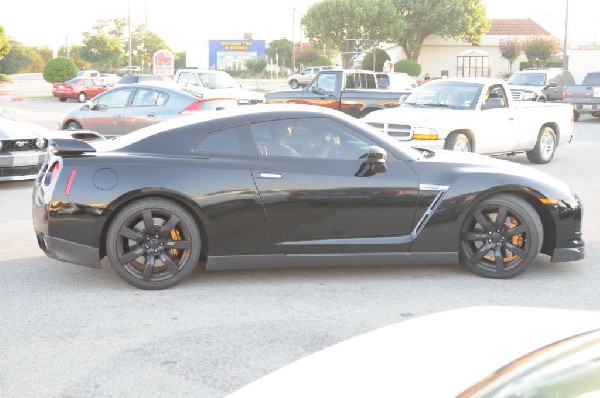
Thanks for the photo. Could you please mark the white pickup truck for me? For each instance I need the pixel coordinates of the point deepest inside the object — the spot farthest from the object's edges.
(477, 115)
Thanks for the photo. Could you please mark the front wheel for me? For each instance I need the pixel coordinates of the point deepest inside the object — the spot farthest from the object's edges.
(62, 99)
(82, 97)
(458, 142)
(294, 84)
(72, 125)
(501, 237)
(153, 244)
(545, 147)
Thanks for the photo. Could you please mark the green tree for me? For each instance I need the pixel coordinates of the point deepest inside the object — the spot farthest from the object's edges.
(305, 55)
(380, 57)
(102, 46)
(322, 60)
(180, 59)
(19, 59)
(456, 19)
(74, 54)
(144, 44)
(281, 50)
(331, 23)
(59, 70)
(539, 49)
(256, 67)
(510, 49)
(4, 43)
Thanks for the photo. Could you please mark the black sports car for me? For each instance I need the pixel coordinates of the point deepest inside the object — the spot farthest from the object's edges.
(289, 185)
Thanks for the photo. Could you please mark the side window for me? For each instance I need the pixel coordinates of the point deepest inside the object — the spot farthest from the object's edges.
(88, 82)
(233, 141)
(114, 98)
(309, 138)
(371, 81)
(350, 81)
(496, 94)
(145, 97)
(326, 82)
(186, 78)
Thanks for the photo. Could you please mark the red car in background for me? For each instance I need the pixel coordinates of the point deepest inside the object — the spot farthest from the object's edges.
(79, 88)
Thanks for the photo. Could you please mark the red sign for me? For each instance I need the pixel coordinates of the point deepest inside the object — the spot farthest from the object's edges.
(163, 63)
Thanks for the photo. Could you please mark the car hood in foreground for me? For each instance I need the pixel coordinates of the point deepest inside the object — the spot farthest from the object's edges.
(18, 129)
(438, 355)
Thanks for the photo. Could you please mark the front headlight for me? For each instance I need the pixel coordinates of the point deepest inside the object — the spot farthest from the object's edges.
(41, 143)
(424, 133)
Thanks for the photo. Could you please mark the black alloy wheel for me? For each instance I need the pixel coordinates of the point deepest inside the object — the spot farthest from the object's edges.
(501, 237)
(153, 244)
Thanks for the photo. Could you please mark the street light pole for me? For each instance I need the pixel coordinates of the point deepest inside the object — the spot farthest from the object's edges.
(565, 44)
(129, 25)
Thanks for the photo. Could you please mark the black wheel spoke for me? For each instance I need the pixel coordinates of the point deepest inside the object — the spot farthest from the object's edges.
(148, 268)
(499, 259)
(501, 218)
(482, 220)
(148, 220)
(130, 234)
(169, 225)
(178, 244)
(173, 268)
(480, 253)
(517, 230)
(515, 250)
(126, 258)
(475, 236)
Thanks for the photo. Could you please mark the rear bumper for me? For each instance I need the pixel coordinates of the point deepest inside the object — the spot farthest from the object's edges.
(69, 252)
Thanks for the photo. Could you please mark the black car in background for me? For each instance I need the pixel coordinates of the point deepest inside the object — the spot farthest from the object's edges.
(292, 185)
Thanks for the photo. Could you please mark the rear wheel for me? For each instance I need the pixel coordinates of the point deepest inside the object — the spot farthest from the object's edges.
(153, 244)
(458, 142)
(62, 99)
(501, 237)
(72, 125)
(294, 84)
(545, 147)
(81, 97)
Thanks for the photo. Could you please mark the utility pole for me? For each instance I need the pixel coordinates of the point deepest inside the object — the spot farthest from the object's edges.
(129, 24)
(565, 44)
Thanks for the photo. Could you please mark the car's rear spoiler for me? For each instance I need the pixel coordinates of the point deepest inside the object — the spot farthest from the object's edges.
(69, 146)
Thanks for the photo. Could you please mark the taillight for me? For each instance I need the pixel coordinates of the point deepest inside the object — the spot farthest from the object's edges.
(564, 93)
(54, 169)
(193, 107)
(70, 182)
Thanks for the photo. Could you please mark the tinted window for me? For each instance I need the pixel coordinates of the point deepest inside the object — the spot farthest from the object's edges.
(309, 138)
(226, 142)
(145, 97)
(592, 79)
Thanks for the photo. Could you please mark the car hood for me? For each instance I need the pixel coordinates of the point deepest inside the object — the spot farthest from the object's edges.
(438, 355)
(18, 129)
(412, 116)
(525, 87)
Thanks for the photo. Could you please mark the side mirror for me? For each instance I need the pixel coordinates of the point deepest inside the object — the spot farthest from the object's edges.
(376, 159)
(376, 155)
(314, 89)
(552, 83)
(89, 104)
(402, 99)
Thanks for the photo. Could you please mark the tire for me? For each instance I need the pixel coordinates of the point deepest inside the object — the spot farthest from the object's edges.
(153, 244)
(82, 97)
(541, 98)
(501, 237)
(294, 84)
(575, 116)
(72, 125)
(458, 142)
(62, 99)
(545, 147)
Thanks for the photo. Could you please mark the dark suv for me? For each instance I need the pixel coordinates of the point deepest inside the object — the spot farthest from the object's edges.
(539, 84)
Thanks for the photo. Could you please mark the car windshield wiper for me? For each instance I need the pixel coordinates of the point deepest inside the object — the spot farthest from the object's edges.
(436, 105)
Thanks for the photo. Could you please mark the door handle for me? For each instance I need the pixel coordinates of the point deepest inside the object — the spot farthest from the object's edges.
(151, 114)
(269, 175)
(116, 116)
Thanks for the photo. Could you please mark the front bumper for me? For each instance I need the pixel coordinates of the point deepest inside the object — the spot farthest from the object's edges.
(23, 165)
(569, 245)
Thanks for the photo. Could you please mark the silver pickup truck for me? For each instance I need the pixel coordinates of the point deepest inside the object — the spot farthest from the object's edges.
(584, 97)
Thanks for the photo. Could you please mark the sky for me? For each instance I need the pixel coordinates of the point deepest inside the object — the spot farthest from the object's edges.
(181, 23)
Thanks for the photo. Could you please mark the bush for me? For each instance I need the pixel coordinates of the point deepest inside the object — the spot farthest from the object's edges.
(380, 57)
(551, 64)
(5, 78)
(59, 69)
(323, 60)
(407, 66)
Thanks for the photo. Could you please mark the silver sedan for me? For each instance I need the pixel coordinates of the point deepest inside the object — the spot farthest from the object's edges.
(130, 107)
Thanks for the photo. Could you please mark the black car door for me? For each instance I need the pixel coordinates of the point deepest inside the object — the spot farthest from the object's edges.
(320, 198)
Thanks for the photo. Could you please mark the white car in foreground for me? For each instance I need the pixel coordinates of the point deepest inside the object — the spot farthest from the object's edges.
(470, 352)
(477, 115)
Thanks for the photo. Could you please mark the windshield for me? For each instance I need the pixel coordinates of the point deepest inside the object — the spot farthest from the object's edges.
(217, 80)
(528, 79)
(445, 94)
